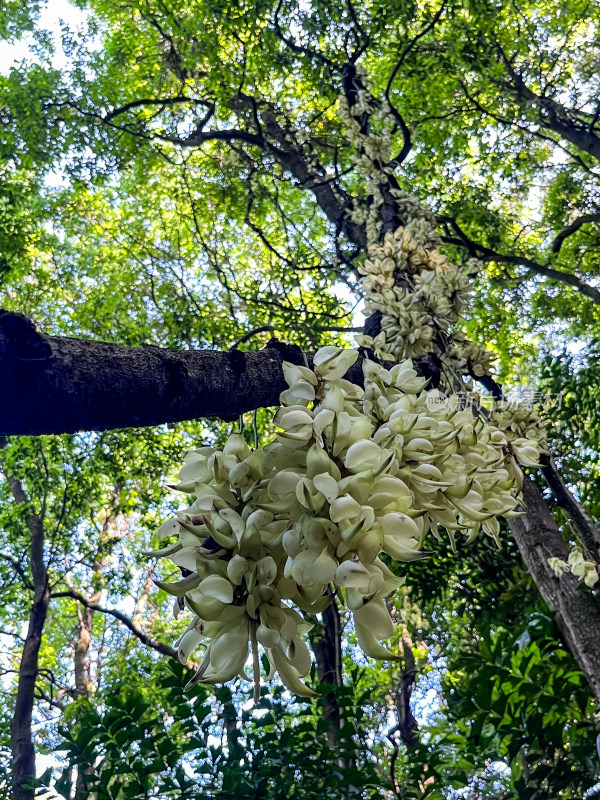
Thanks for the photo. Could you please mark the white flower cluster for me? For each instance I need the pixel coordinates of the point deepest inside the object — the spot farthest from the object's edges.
(352, 473)
(468, 358)
(576, 564)
(418, 291)
(523, 429)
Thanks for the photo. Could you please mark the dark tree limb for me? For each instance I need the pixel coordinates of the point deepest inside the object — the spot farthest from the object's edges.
(61, 385)
(552, 114)
(161, 102)
(569, 230)
(199, 137)
(484, 253)
(87, 603)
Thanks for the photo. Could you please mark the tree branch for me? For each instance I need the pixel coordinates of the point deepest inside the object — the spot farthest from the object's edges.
(572, 228)
(162, 102)
(487, 254)
(198, 137)
(553, 115)
(164, 649)
(85, 385)
(296, 48)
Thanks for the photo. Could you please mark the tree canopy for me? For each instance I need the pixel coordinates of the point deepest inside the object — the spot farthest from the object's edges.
(184, 208)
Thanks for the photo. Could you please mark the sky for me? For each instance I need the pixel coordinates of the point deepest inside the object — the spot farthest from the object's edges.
(50, 18)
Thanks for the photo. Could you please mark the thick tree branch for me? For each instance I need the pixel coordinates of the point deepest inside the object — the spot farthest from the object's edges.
(553, 115)
(198, 137)
(292, 159)
(83, 385)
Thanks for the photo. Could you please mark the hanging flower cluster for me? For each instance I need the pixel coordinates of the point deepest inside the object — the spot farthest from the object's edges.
(576, 564)
(418, 291)
(523, 429)
(351, 474)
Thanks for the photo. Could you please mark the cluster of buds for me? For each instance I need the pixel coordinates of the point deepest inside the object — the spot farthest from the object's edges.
(352, 473)
(523, 429)
(469, 358)
(578, 565)
(419, 292)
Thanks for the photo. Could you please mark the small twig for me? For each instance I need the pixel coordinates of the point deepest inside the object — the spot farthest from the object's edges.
(249, 334)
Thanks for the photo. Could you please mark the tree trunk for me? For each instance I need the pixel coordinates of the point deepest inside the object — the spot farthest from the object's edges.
(326, 643)
(83, 681)
(577, 609)
(21, 734)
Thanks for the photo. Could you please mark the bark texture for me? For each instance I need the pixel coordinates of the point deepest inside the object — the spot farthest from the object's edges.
(62, 385)
(21, 734)
(577, 609)
(326, 643)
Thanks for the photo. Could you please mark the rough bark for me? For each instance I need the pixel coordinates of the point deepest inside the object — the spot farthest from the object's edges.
(577, 609)
(63, 385)
(326, 643)
(581, 520)
(21, 734)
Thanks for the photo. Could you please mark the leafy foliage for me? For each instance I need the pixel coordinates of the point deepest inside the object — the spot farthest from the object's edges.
(138, 205)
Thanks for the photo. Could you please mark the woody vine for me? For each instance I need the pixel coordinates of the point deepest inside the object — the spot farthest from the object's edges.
(353, 472)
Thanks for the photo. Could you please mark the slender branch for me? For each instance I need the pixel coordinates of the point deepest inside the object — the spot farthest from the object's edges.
(161, 102)
(164, 649)
(19, 569)
(296, 48)
(512, 123)
(572, 228)
(487, 254)
(406, 134)
(249, 334)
